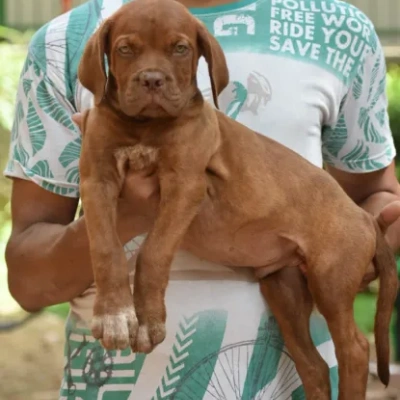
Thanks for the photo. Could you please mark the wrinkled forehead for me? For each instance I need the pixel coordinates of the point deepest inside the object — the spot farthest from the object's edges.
(153, 22)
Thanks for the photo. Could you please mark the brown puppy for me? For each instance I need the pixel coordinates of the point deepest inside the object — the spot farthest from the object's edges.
(228, 195)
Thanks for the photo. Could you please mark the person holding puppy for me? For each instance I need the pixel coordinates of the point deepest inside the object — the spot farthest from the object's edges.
(311, 76)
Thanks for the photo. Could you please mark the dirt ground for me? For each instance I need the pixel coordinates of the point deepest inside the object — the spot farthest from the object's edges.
(31, 360)
(31, 363)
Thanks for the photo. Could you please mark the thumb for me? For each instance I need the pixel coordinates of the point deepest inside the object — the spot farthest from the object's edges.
(388, 215)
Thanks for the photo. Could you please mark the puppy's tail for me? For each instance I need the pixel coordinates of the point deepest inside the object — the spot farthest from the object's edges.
(385, 265)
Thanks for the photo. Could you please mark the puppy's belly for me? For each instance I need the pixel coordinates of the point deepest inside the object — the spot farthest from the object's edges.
(242, 249)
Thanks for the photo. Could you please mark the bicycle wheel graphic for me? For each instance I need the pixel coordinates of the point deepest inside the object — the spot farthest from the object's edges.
(242, 371)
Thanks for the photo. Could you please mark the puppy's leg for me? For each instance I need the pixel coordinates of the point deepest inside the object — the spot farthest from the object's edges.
(180, 201)
(291, 303)
(114, 318)
(334, 282)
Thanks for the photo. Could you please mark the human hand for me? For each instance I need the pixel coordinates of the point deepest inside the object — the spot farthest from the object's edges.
(389, 221)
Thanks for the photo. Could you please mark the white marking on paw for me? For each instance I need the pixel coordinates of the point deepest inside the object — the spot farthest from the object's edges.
(115, 330)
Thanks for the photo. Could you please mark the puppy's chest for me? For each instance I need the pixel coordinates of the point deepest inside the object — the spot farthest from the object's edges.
(137, 157)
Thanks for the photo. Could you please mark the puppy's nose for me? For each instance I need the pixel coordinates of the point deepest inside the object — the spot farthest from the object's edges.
(152, 79)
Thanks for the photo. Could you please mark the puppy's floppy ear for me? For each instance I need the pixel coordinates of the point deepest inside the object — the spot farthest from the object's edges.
(92, 70)
(214, 55)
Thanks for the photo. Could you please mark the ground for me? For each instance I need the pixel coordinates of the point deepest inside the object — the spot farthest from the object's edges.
(31, 360)
(31, 363)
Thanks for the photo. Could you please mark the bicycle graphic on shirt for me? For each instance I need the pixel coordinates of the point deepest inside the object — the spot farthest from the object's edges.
(239, 371)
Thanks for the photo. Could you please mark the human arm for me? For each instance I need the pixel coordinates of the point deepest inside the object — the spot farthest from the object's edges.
(363, 163)
(47, 254)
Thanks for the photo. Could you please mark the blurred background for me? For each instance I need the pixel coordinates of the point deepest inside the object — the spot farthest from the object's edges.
(34, 374)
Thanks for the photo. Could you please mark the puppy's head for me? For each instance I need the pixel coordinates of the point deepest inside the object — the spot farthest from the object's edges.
(152, 48)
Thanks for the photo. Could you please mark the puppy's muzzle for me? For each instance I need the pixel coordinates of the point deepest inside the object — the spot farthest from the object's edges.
(152, 80)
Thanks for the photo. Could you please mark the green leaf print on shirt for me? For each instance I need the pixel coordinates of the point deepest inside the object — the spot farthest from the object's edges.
(379, 92)
(20, 154)
(52, 107)
(335, 138)
(62, 191)
(371, 133)
(374, 74)
(38, 49)
(358, 159)
(82, 23)
(365, 121)
(73, 175)
(381, 117)
(42, 169)
(27, 85)
(70, 153)
(373, 41)
(36, 129)
(27, 64)
(19, 115)
(36, 68)
(358, 83)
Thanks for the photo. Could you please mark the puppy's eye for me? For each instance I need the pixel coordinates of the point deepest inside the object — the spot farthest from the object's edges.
(125, 49)
(181, 49)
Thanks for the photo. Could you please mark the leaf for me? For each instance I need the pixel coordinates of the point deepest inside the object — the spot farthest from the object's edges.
(37, 133)
(19, 115)
(389, 151)
(73, 175)
(27, 64)
(358, 159)
(82, 23)
(41, 168)
(374, 74)
(358, 83)
(371, 134)
(381, 117)
(373, 41)
(20, 154)
(362, 117)
(27, 85)
(57, 189)
(70, 153)
(36, 68)
(334, 138)
(379, 92)
(52, 107)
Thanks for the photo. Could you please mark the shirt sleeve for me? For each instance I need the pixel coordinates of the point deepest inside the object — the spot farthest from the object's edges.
(361, 140)
(45, 143)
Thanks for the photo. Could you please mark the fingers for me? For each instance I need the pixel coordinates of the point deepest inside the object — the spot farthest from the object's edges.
(77, 118)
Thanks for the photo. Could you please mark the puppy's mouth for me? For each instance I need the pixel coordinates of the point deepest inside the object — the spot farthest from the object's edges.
(155, 105)
(152, 104)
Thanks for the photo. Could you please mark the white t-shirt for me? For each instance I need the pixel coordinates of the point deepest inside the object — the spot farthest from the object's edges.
(309, 74)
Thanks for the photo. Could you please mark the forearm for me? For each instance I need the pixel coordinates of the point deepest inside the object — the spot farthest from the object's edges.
(50, 263)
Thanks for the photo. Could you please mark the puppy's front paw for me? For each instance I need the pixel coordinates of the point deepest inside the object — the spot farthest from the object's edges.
(149, 336)
(115, 330)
